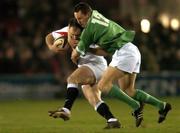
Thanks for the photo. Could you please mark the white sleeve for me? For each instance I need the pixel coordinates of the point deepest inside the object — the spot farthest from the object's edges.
(60, 33)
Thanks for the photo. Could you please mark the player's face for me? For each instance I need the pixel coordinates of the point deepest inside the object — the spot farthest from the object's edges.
(73, 36)
(81, 18)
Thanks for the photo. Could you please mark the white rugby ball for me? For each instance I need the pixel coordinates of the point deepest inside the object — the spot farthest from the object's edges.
(60, 42)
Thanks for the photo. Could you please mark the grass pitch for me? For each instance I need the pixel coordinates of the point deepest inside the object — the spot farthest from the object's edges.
(31, 117)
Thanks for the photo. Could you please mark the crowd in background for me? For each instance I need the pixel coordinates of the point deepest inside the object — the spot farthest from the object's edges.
(24, 25)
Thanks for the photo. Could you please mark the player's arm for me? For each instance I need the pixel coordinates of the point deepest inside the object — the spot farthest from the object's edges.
(53, 44)
(98, 51)
(49, 40)
(82, 46)
(50, 43)
(86, 39)
(127, 36)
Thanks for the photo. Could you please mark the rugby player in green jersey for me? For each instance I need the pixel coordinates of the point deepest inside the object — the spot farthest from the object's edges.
(126, 58)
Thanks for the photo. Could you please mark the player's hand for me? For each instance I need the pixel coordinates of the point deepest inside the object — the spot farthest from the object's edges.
(54, 48)
(75, 56)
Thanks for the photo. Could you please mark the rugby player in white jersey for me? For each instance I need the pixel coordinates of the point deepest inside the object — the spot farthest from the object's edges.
(90, 68)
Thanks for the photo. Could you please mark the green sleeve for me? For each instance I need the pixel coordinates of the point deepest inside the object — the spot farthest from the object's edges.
(128, 36)
(86, 40)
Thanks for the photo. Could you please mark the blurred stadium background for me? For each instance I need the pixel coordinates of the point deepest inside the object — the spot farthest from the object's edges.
(30, 71)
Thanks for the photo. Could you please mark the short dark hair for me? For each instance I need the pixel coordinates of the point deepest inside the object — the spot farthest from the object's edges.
(73, 23)
(83, 7)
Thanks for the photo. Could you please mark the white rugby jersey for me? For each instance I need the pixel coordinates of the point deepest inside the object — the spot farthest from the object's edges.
(89, 57)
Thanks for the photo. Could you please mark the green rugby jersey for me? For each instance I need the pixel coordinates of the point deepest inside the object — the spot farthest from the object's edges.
(101, 31)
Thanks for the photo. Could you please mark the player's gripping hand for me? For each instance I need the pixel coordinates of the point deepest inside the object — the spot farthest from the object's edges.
(59, 46)
(75, 56)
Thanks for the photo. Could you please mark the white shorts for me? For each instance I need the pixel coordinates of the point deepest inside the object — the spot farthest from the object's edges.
(127, 59)
(97, 69)
(96, 63)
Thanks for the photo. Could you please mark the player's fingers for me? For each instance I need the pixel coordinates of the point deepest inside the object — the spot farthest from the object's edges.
(50, 113)
(74, 60)
(54, 115)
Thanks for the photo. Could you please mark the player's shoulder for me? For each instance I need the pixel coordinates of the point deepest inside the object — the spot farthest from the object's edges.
(65, 29)
(60, 33)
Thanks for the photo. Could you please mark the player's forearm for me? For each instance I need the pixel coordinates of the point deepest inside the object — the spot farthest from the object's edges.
(98, 51)
(49, 40)
(86, 40)
(81, 48)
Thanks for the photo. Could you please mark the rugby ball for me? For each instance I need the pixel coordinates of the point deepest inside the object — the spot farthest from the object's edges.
(60, 42)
